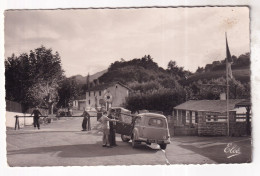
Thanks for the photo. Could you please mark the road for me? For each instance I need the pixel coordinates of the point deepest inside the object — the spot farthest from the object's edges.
(62, 143)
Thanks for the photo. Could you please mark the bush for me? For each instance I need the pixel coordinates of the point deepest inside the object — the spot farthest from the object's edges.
(158, 100)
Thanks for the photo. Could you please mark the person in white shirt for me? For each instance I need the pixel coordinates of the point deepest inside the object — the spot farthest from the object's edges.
(105, 127)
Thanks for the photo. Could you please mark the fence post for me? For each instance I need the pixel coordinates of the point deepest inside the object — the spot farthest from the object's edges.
(248, 129)
(17, 122)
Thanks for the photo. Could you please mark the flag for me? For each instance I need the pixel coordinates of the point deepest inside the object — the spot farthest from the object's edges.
(228, 61)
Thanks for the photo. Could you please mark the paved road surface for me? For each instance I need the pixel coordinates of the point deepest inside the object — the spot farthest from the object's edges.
(62, 143)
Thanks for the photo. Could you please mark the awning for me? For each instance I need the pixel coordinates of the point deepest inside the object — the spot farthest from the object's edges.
(244, 103)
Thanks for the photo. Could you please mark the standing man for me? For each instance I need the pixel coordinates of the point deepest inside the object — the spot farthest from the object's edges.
(112, 134)
(86, 116)
(36, 115)
(105, 127)
(89, 126)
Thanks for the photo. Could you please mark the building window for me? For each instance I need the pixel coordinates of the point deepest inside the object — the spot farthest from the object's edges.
(94, 93)
(196, 117)
(209, 118)
(100, 93)
(116, 86)
(183, 116)
(187, 115)
(174, 114)
(212, 118)
(89, 93)
(88, 101)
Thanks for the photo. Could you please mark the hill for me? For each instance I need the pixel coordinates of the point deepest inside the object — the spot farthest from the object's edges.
(136, 70)
(240, 69)
(240, 74)
(82, 79)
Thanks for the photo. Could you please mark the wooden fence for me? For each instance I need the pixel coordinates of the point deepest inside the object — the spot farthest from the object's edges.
(13, 106)
(241, 117)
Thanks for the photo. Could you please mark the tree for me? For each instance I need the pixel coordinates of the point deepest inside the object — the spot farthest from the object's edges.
(211, 89)
(176, 71)
(160, 100)
(200, 70)
(172, 66)
(30, 77)
(68, 91)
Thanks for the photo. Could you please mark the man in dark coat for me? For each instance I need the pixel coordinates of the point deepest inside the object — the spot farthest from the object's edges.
(112, 134)
(36, 115)
(89, 125)
(86, 116)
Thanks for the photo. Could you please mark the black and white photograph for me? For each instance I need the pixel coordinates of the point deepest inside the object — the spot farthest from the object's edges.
(128, 86)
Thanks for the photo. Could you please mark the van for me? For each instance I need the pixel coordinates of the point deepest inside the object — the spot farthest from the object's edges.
(148, 128)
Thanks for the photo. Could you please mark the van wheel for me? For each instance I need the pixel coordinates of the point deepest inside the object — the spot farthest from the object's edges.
(124, 138)
(163, 146)
(133, 141)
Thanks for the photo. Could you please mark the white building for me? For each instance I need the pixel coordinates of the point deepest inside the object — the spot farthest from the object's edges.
(114, 93)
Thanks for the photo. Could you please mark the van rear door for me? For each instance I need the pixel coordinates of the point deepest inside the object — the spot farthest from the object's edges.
(155, 128)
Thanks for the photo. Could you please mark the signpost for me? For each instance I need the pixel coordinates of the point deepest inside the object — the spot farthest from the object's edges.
(108, 99)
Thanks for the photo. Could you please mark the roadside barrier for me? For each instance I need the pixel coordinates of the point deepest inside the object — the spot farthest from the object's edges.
(122, 127)
(17, 126)
(46, 118)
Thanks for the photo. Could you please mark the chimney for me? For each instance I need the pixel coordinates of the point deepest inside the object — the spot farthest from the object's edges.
(223, 96)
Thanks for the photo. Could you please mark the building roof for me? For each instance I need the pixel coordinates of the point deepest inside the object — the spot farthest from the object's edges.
(106, 85)
(208, 105)
(81, 97)
(244, 103)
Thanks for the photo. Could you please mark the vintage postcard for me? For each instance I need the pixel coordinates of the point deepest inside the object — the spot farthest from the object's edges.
(128, 86)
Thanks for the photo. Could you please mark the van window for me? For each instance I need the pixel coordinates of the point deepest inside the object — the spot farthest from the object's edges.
(138, 121)
(155, 122)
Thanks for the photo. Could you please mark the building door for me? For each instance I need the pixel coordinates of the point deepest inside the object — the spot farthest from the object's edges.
(183, 116)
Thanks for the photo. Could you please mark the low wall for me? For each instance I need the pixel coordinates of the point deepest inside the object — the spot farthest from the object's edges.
(219, 128)
(182, 130)
(171, 128)
(212, 129)
(10, 119)
(185, 131)
(238, 129)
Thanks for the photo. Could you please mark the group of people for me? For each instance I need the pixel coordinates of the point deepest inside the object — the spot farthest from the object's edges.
(107, 121)
(108, 127)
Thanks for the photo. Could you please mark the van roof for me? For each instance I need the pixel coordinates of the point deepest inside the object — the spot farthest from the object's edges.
(120, 108)
(152, 115)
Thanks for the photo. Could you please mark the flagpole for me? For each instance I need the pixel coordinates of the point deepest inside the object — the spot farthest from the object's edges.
(227, 89)
(227, 101)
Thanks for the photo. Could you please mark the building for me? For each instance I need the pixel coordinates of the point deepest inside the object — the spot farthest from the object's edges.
(111, 94)
(209, 117)
(80, 103)
(187, 113)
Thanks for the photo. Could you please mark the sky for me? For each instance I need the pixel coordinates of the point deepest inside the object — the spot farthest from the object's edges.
(89, 40)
